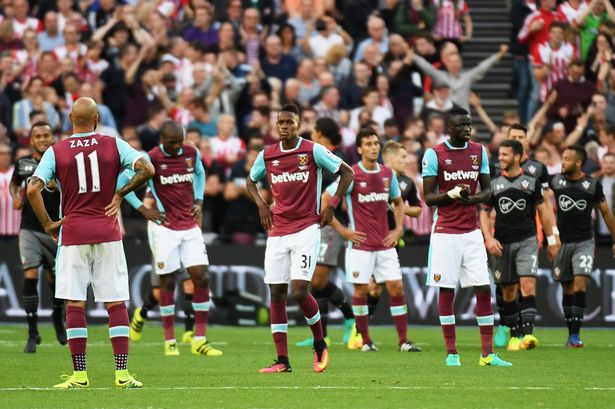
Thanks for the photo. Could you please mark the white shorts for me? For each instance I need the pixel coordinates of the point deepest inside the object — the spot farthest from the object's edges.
(361, 264)
(172, 248)
(102, 265)
(457, 258)
(292, 257)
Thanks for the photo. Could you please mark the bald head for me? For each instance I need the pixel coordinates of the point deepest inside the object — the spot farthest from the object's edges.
(84, 114)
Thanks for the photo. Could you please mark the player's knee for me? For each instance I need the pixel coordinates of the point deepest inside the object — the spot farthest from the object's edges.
(361, 290)
(528, 288)
(31, 273)
(509, 292)
(319, 281)
(300, 294)
(395, 288)
(580, 284)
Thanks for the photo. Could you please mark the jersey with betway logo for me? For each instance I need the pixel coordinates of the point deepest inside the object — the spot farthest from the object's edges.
(295, 179)
(575, 200)
(368, 203)
(454, 166)
(515, 200)
(178, 182)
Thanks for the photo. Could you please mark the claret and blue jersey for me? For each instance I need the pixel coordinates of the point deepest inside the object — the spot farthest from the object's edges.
(86, 167)
(295, 177)
(454, 166)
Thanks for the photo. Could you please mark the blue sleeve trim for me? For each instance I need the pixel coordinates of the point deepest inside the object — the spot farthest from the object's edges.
(395, 190)
(258, 171)
(46, 168)
(325, 159)
(199, 178)
(128, 155)
(484, 169)
(430, 163)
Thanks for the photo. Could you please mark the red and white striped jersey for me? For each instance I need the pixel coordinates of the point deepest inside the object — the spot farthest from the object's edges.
(9, 217)
(21, 57)
(233, 147)
(450, 14)
(557, 59)
(421, 226)
(20, 26)
(62, 52)
(570, 12)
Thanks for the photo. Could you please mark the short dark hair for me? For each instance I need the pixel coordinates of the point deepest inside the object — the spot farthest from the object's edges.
(330, 129)
(292, 108)
(519, 126)
(34, 113)
(40, 123)
(171, 127)
(609, 129)
(389, 123)
(580, 152)
(193, 129)
(426, 35)
(457, 111)
(365, 133)
(558, 24)
(611, 154)
(516, 146)
(368, 91)
(198, 46)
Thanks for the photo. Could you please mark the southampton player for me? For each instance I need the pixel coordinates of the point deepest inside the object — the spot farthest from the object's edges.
(293, 167)
(576, 196)
(139, 316)
(178, 187)
(539, 171)
(36, 248)
(515, 198)
(374, 251)
(86, 167)
(395, 156)
(452, 171)
(327, 133)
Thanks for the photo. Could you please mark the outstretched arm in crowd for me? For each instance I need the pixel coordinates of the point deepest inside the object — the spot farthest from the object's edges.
(578, 132)
(534, 128)
(484, 116)
(481, 69)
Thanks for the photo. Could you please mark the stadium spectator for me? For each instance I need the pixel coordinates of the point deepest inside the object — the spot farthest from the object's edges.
(9, 217)
(302, 20)
(449, 17)
(377, 36)
(50, 38)
(522, 68)
(202, 121)
(329, 103)
(287, 34)
(323, 34)
(226, 147)
(608, 186)
(202, 29)
(34, 100)
(371, 105)
(413, 17)
(360, 82)
(275, 63)
(588, 21)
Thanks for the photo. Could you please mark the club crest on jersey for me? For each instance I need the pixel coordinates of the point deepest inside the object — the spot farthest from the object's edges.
(437, 277)
(497, 274)
(474, 159)
(387, 183)
(585, 185)
(525, 184)
(556, 272)
(403, 185)
(532, 169)
(303, 159)
(189, 164)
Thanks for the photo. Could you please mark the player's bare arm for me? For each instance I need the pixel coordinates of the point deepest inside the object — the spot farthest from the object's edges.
(433, 198)
(15, 191)
(412, 211)
(547, 218)
(481, 197)
(150, 212)
(264, 210)
(394, 235)
(144, 170)
(494, 247)
(197, 211)
(36, 201)
(609, 220)
(548, 198)
(346, 177)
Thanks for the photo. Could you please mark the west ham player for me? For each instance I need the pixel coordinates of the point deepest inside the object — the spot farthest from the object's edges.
(178, 187)
(515, 198)
(374, 251)
(576, 196)
(452, 171)
(539, 171)
(327, 133)
(395, 156)
(293, 167)
(36, 248)
(87, 166)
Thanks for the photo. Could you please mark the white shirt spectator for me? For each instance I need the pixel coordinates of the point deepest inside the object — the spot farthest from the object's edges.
(20, 26)
(379, 115)
(62, 52)
(320, 44)
(223, 150)
(570, 12)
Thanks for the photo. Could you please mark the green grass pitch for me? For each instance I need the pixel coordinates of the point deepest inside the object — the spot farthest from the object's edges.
(548, 377)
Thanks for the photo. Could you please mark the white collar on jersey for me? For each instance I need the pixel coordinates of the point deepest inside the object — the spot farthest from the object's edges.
(370, 171)
(82, 135)
(293, 149)
(465, 145)
(181, 150)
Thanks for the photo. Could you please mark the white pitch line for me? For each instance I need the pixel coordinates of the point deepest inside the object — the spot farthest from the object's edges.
(401, 388)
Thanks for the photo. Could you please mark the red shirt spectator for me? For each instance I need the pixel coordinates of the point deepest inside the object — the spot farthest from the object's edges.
(535, 29)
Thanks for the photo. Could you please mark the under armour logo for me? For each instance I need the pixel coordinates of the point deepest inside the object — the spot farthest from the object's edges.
(562, 182)
(566, 203)
(507, 205)
(499, 187)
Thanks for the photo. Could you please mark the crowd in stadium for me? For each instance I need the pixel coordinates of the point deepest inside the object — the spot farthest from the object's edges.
(223, 68)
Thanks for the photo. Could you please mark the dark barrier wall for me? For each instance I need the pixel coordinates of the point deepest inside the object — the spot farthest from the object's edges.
(240, 268)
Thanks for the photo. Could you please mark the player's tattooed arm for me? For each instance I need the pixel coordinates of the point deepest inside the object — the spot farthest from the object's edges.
(346, 177)
(609, 220)
(264, 210)
(144, 170)
(481, 197)
(493, 245)
(36, 201)
(433, 198)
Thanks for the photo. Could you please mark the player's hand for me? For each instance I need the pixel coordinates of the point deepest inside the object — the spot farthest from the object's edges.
(53, 228)
(326, 216)
(266, 216)
(197, 212)
(393, 237)
(494, 247)
(356, 237)
(112, 209)
(552, 251)
(17, 204)
(153, 215)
